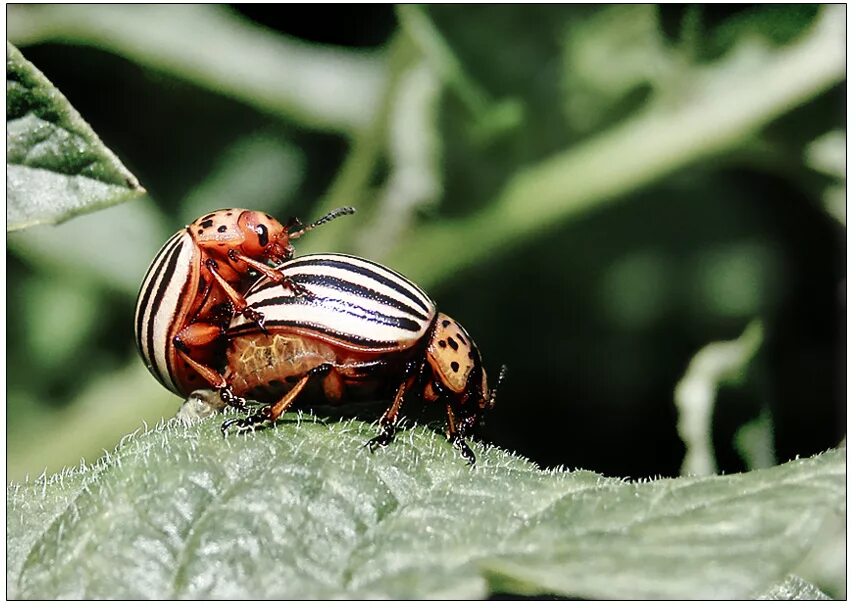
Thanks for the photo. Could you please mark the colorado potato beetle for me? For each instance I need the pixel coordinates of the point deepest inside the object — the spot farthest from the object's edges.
(195, 284)
(366, 328)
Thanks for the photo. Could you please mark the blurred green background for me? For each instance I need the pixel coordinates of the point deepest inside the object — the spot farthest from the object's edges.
(594, 192)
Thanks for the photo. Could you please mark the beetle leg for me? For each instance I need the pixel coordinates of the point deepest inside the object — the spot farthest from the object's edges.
(249, 423)
(270, 413)
(237, 299)
(271, 273)
(214, 378)
(464, 449)
(390, 416)
(457, 433)
(239, 303)
(196, 335)
(334, 387)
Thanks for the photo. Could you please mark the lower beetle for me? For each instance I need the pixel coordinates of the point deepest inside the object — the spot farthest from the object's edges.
(365, 327)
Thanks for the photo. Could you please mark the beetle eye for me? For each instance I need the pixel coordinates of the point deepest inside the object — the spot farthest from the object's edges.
(262, 231)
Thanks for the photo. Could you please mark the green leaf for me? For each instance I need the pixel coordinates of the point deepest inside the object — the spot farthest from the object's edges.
(794, 588)
(303, 510)
(56, 167)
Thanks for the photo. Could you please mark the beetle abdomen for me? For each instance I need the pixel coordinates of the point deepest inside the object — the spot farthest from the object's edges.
(162, 302)
(262, 364)
(353, 303)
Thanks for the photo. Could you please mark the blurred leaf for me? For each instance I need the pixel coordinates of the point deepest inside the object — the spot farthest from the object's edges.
(695, 394)
(606, 57)
(777, 24)
(754, 442)
(102, 412)
(635, 290)
(304, 510)
(320, 87)
(354, 182)
(260, 171)
(414, 155)
(112, 248)
(491, 118)
(733, 279)
(56, 167)
(794, 588)
(720, 107)
(54, 340)
(828, 154)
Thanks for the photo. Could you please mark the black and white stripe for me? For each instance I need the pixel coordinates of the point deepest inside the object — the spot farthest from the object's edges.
(354, 301)
(162, 302)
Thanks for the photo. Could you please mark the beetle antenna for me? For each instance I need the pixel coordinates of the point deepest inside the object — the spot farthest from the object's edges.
(503, 372)
(294, 222)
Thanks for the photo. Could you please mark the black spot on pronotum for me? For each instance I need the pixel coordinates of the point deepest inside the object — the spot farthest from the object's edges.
(221, 228)
(453, 344)
(207, 223)
(455, 366)
(442, 343)
(229, 214)
(200, 231)
(445, 322)
(262, 231)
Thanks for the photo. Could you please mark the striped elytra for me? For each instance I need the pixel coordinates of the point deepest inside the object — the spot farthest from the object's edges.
(355, 304)
(360, 329)
(165, 295)
(196, 281)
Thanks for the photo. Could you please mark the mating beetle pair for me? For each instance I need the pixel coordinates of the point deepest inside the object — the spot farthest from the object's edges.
(338, 326)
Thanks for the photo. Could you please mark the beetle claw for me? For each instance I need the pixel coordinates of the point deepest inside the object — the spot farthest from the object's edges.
(464, 449)
(255, 316)
(297, 289)
(232, 400)
(247, 424)
(386, 436)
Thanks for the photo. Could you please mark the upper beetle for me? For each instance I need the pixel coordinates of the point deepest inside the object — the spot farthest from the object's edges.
(364, 329)
(195, 283)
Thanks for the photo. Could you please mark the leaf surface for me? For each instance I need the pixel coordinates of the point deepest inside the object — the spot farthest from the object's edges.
(56, 166)
(303, 510)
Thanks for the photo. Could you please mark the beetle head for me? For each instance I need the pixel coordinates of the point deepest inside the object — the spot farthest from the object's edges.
(263, 237)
